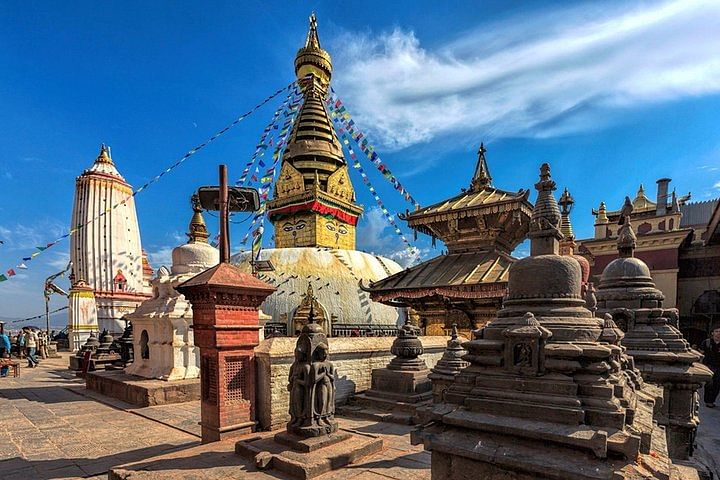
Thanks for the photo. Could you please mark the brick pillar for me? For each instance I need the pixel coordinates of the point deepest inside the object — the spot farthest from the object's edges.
(225, 305)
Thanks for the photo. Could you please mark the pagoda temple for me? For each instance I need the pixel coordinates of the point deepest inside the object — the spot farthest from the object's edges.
(106, 251)
(480, 228)
(315, 214)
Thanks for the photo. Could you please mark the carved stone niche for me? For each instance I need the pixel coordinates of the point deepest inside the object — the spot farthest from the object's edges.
(525, 345)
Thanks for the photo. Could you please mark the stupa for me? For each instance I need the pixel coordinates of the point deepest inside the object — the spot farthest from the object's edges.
(315, 213)
(652, 338)
(451, 363)
(163, 341)
(546, 395)
(106, 251)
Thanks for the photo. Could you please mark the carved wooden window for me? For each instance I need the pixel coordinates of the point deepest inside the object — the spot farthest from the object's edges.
(208, 380)
(235, 381)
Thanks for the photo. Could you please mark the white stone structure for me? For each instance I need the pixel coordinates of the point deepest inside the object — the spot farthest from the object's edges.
(105, 250)
(334, 277)
(82, 314)
(163, 341)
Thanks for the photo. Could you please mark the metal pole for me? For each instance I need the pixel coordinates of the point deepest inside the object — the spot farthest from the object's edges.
(224, 230)
(47, 316)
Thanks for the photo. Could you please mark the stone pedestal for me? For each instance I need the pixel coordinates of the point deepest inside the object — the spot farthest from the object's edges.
(311, 444)
(308, 457)
(225, 305)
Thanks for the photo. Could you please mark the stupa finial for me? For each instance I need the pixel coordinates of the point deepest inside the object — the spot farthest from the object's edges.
(482, 177)
(104, 155)
(545, 220)
(198, 230)
(313, 65)
(312, 40)
(566, 203)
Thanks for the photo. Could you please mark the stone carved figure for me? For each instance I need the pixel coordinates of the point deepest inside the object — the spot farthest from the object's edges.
(311, 383)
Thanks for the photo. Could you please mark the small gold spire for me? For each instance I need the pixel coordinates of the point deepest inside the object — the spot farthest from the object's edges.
(313, 65)
(104, 155)
(198, 231)
(482, 177)
(567, 244)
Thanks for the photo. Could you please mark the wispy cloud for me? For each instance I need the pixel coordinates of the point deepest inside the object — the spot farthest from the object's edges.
(543, 75)
(379, 238)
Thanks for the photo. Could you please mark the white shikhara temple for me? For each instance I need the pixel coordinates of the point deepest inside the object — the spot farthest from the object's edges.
(106, 251)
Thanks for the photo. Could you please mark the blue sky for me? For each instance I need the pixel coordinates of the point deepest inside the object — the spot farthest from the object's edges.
(611, 94)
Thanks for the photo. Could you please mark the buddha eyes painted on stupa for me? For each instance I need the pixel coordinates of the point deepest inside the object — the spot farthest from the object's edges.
(299, 225)
(333, 227)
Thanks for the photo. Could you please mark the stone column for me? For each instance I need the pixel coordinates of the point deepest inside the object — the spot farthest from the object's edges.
(225, 305)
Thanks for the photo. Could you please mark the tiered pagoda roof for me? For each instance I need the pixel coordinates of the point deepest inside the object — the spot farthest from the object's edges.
(480, 227)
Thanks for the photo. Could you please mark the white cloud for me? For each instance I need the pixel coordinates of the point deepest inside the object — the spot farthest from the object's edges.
(161, 256)
(543, 75)
(717, 185)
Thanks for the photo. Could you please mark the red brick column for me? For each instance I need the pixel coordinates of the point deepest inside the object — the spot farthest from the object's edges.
(225, 305)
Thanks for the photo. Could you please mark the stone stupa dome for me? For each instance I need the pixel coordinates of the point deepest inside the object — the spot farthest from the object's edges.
(194, 257)
(334, 277)
(626, 270)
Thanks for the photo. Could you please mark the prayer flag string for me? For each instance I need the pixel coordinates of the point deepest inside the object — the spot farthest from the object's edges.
(356, 165)
(340, 114)
(188, 154)
(267, 179)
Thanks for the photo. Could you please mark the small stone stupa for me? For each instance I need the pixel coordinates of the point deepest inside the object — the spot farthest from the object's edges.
(400, 387)
(451, 363)
(652, 338)
(546, 395)
(163, 341)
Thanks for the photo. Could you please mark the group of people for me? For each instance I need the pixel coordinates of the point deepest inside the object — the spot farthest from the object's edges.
(28, 344)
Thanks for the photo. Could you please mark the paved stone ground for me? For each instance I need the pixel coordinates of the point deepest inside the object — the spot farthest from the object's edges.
(708, 439)
(52, 428)
(49, 432)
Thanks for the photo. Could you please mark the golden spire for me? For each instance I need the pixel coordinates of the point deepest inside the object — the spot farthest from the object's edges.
(313, 65)
(104, 155)
(198, 231)
(482, 177)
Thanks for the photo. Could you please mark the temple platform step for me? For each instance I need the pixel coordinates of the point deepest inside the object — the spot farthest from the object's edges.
(142, 392)
(371, 407)
(306, 458)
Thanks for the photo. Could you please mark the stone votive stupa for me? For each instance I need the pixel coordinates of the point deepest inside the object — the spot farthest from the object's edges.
(545, 395)
(665, 358)
(451, 363)
(397, 389)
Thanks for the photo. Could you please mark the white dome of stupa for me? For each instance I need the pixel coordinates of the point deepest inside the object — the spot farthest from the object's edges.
(194, 257)
(334, 276)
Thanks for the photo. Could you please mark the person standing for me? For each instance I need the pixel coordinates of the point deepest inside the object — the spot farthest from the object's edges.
(4, 349)
(711, 349)
(20, 342)
(42, 346)
(31, 343)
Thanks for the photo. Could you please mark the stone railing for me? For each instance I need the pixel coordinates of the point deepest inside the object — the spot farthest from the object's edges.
(354, 359)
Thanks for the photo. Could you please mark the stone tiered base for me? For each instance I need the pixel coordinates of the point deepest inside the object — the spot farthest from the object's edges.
(394, 397)
(308, 457)
(141, 391)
